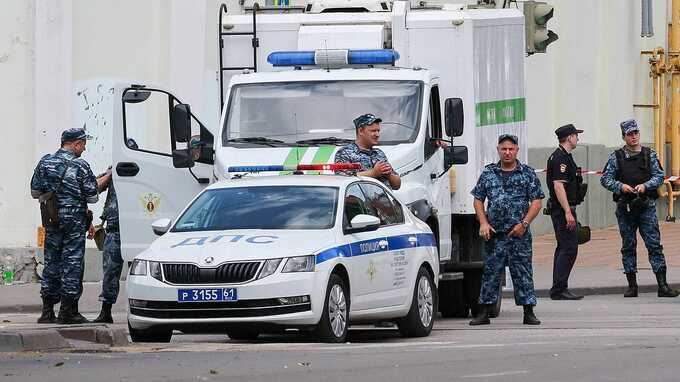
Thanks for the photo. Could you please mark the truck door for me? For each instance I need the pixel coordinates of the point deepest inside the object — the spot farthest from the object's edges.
(157, 169)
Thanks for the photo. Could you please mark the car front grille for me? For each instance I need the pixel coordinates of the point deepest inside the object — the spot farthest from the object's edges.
(224, 274)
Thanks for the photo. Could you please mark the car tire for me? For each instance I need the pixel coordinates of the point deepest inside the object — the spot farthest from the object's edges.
(243, 334)
(334, 318)
(149, 335)
(420, 318)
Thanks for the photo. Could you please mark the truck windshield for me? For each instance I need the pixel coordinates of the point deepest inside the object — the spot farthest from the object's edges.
(265, 207)
(302, 111)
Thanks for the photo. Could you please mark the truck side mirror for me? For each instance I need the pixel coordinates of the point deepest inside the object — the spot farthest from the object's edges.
(455, 155)
(182, 158)
(453, 117)
(180, 122)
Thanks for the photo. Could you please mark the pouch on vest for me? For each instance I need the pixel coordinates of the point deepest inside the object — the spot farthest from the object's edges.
(49, 212)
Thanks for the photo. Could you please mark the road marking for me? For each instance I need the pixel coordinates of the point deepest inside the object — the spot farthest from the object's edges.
(503, 374)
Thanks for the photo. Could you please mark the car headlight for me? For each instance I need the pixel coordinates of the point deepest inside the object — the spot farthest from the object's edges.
(138, 268)
(155, 270)
(269, 267)
(300, 264)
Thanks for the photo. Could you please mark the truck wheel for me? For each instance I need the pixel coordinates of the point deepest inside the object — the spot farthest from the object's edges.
(472, 283)
(149, 335)
(451, 299)
(420, 318)
(243, 334)
(334, 317)
(496, 308)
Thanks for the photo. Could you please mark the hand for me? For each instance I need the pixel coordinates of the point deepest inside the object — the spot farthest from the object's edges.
(626, 189)
(485, 231)
(517, 231)
(640, 188)
(90, 232)
(382, 168)
(571, 222)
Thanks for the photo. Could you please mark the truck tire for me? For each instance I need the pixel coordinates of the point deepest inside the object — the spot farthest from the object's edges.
(334, 317)
(420, 318)
(496, 308)
(472, 283)
(243, 334)
(149, 335)
(452, 300)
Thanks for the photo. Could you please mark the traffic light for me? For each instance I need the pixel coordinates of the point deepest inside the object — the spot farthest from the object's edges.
(536, 16)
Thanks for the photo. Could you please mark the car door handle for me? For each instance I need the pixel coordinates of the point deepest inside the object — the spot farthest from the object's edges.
(382, 243)
(413, 240)
(127, 169)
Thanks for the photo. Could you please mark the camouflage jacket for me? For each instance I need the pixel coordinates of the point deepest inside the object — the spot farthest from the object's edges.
(78, 186)
(367, 158)
(508, 196)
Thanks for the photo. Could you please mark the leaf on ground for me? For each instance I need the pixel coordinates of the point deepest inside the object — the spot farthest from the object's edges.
(58, 364)
(213, 371)
(304, 364)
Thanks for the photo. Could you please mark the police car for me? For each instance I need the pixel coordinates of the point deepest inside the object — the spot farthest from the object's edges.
(265, 253)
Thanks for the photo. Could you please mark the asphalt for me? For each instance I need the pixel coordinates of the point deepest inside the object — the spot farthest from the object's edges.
(596, 272)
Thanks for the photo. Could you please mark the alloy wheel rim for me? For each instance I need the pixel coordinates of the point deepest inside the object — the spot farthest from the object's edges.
(425, 301)
(337, 310)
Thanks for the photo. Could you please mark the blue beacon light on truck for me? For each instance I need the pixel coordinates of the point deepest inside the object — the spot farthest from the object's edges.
(320, 57)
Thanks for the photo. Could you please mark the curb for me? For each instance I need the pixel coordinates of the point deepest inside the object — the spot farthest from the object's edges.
(596, 291)
(58, 338)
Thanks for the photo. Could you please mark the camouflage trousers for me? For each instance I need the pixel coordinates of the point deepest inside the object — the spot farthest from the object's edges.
(515, 253)
(112, 266)
(64, 257)
(648, 225)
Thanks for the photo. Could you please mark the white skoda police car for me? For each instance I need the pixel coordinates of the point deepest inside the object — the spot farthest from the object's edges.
(260, 254)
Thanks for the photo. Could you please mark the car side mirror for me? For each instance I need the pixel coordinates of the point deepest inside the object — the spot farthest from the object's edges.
(180, 122)
(453, 117)
(161, 226)
(455, 155)
(363, 223)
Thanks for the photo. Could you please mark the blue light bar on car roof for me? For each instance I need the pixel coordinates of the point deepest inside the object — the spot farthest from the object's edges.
(334, 57)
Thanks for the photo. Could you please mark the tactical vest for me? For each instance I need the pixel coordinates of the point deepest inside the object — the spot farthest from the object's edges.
(575, 189)
(634, 170)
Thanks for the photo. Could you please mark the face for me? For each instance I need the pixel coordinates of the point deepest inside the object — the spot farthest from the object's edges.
(632, 138)
(369, 134)
(507, 151)
(573, 139)
(79, 147)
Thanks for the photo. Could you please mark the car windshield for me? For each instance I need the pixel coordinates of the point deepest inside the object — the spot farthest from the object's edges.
(302, 111)
(265, 207)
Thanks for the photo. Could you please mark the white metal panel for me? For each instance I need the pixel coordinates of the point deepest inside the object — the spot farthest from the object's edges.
(315, 37)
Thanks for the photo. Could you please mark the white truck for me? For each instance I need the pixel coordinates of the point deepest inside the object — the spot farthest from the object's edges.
(430, 72)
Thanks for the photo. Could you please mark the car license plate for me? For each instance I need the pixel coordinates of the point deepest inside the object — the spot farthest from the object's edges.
(205, 295)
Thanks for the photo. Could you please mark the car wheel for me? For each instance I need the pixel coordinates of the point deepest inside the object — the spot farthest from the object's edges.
(333, 324)
(149, 335)
(243, 334)
(420, 318)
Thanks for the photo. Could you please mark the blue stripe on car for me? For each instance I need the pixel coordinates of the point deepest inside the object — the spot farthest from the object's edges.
(368, 247)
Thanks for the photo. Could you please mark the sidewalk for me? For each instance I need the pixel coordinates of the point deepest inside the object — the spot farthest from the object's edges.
(597, 271)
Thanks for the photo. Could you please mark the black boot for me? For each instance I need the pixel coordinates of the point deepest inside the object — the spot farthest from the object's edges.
(68, 314)
(529, 316)
(47, 316)
(664, 289)
(632, 290)
(482, 317)
(105, 314)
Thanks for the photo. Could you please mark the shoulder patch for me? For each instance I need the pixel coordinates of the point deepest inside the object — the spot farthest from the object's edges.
(563, 168)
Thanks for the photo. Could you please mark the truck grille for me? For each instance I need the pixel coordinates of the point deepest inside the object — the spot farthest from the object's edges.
(224, 274)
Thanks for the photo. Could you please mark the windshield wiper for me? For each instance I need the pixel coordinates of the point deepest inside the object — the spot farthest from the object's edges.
(327, 140)
(256, 140)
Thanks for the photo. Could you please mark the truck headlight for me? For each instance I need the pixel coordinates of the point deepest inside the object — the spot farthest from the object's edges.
(300, 264)
(138, 268)
(155, 270)
(269, 267)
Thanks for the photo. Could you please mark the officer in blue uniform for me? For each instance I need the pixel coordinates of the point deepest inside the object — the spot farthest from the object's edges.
(373, 161)
(513, 195)
(633, 173)
(567, 190)
(112, 261)
(71, 180)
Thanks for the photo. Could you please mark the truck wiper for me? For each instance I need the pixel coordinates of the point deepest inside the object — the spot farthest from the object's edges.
(256, 140)
(327, 140)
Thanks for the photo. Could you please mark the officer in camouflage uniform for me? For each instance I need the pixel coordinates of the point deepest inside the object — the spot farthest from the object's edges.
(65, 173)
(112, 261)
(513, 194)
(373, 161)
(633, 173)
